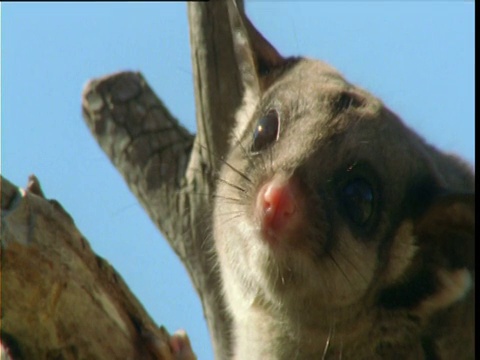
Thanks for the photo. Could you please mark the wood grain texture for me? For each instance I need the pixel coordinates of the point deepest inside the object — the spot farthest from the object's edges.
(62, 300)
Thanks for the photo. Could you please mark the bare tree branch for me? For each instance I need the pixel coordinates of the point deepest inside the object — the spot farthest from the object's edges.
(143, 140)
(60, 300)
(171, 173)
(151, 150)
(217, 85)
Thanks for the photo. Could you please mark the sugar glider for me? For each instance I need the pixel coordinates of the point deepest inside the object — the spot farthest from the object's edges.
(340, 232)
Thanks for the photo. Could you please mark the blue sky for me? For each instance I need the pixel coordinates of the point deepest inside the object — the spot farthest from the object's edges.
(417, 56)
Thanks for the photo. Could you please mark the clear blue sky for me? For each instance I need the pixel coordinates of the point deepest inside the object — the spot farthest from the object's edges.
(417, 56)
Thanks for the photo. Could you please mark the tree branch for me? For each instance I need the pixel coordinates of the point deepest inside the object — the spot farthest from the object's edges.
(60, 300)
(143, 140)
(217, 81)
(151, 150)
(169, 170)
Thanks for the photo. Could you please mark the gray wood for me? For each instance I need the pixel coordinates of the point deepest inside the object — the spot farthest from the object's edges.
(170, 171)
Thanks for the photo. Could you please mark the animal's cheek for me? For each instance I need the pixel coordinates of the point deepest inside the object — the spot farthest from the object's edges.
(349, 268)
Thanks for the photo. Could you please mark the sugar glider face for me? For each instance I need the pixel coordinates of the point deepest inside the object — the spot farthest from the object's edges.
(329, 204)
(341, 165)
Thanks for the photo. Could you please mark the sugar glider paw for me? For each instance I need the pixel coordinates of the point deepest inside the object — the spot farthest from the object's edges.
(164, 346)
(180, 345)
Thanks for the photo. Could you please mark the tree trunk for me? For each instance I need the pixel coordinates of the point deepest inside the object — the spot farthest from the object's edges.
(54, 286)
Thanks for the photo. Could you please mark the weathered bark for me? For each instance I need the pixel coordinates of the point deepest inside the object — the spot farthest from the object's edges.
(169, 170)
(171, 173)
(60, 300)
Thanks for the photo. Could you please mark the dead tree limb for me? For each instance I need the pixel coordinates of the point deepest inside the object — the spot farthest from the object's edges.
(60, 300)
(169, 170)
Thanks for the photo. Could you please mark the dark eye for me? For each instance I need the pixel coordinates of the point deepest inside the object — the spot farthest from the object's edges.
(266, 131)
(357, 199)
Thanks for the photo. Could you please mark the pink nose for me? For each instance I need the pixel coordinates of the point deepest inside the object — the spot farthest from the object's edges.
(276, 206)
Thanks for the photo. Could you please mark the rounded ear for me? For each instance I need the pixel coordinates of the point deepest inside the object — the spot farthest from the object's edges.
(446, 235)
(446, 239)
(256, 57)
(440, 269)
(266, 56)
(446, 231)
